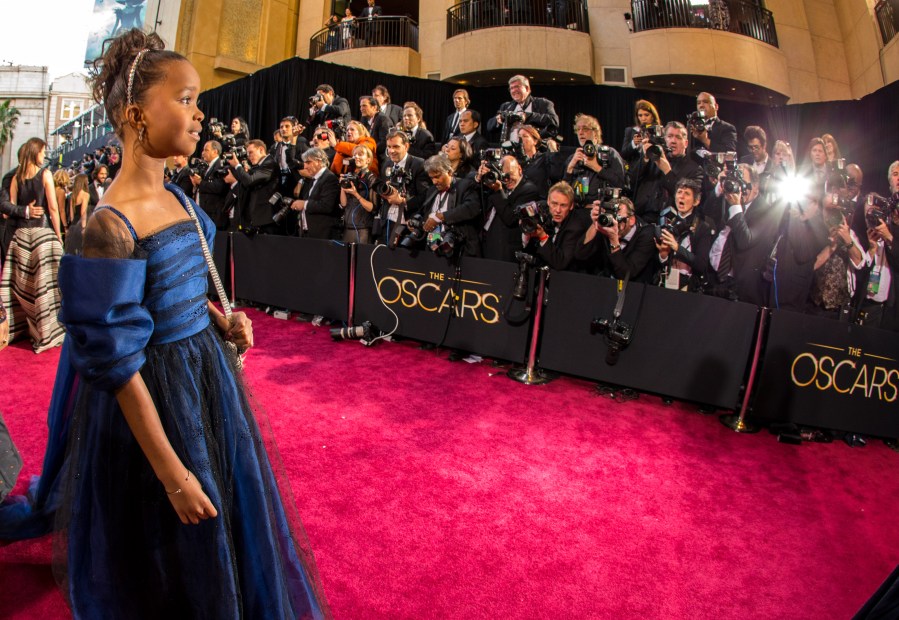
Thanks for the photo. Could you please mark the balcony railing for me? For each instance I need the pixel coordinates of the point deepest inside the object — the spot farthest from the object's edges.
(745, 18)
(390, 31)
(886, 19)
(478, 14)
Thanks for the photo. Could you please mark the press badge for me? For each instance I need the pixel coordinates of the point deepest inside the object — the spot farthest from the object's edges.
(874, 283)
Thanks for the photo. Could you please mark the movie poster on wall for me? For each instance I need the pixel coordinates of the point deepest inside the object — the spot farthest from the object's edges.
(110, 18)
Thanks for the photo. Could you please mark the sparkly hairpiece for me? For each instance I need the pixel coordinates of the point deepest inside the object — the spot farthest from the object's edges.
(131, 73)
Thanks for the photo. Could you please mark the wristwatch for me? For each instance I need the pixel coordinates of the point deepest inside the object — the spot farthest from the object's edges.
(615, 247)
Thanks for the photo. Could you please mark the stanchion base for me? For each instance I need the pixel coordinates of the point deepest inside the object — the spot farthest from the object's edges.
(734, 423)
(529, 377)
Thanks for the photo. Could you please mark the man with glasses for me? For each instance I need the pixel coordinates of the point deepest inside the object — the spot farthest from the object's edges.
(593, 165)
(758, 158)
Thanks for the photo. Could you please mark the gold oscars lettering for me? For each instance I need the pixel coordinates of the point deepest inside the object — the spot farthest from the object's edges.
(854, 373)
(434, 292)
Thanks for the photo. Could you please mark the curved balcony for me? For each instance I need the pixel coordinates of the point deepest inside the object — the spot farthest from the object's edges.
(479, 14)
(887, 19)
(743, 18)
(389, 31)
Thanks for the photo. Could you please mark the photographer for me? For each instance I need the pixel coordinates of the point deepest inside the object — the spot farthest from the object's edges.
(460, 156)
(324, 139)
(876, 287)
(406, 200)
(421, 140)
(617, 243)
(593, 165)
(710, 133)
(357, 199)
(538, 158)
(286, 152)
(327, 106)
(452, 203)
(318, 204)
(645, 115)
(658, 173)
(744, 253)
(239, 129)
(524, 109)
(181, 175)
(502, 235)
(842, 255)
(356, 135)
(211, 188)
(376, 123)
(470, 131)
(257, 186)
(558, 245)
(390, 110)
(684, 240)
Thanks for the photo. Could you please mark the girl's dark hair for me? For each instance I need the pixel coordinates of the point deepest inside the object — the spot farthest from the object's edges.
(109, 73)
(28, 153)
(244, 128)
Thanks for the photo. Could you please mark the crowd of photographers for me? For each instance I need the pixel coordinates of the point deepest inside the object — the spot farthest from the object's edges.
(676, 206)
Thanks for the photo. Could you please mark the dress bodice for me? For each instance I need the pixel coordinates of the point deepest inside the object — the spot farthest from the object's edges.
(175, 289)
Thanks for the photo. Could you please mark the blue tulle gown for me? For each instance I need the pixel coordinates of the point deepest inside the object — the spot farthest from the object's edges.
(122, 551)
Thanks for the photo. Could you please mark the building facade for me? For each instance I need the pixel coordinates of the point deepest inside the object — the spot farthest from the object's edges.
(29, 89)
(69, 97)
(772, 51)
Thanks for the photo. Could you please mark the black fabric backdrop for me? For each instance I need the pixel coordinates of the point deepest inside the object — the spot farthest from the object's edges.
(865, 129)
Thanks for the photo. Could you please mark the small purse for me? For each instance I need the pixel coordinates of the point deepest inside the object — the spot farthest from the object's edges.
(231, 349)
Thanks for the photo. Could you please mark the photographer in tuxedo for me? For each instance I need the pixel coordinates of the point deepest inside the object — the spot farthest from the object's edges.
(211, 187)
(617, 243)
(403, 200)
(328, 106)
(461, 102)
(524, 109)
(257, 185)
(557, 245)
(502, 235)
(712, 134)
(452, 203)
(318, 205)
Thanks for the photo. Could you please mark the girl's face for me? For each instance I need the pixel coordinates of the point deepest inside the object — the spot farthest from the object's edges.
(171, 115)
(352, 134)
(828, 148)
(235, 126)
(527, 142)
(644, 117)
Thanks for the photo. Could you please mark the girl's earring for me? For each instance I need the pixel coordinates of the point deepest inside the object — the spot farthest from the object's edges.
(140, 134)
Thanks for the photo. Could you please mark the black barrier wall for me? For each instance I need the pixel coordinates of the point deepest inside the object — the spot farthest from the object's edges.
(818, 372)
(421, 290)
(686, 346)
(221, 256)
(307, 275)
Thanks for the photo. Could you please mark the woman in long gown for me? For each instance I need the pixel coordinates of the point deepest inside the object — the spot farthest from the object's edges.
(170, 505)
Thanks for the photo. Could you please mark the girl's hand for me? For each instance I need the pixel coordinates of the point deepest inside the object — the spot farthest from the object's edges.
(241, 331)
(190, 502)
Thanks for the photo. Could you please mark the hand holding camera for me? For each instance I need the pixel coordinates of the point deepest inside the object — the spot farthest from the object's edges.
(666, 243)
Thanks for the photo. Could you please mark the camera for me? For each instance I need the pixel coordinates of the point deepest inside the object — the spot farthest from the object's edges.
(714, 163)
(880, 208)
(617, 334)
(674, 224)
(525, 261)
(531, 215)
(315, 99)
(398, 180)
(655, 135)
(216, 126)
(445, 242)
(348, 180)
(510, 117)
(493, 158)
(408, 234)
(197, 167)
(608, 207)
(337, 126)
(734, 183)
(589, 149)
(696, 121)
(284, 202)
(364, 332)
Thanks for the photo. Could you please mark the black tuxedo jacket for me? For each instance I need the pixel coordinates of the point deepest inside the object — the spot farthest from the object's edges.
(322, 205)
(182, 180)
(212, 192)
(95, 195)
(559, 252)
(337, 109)
(636, 256)
(503, 238)
(653, 190)
(423, 144)
(370, 11)
(416, 190)
(722, 138)
(478, 143)
(450, 128)
(257, 185)
(753, 234)
(612, 175)
(542, 116)
(463, 213)
(378, 127)
(701, 235)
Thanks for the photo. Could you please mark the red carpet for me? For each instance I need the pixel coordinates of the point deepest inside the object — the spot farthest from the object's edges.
(432, 489)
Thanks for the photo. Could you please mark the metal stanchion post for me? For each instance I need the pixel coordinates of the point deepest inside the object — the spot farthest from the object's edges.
(738, 422)
(351, 309)
(531, 375)
(231, 268)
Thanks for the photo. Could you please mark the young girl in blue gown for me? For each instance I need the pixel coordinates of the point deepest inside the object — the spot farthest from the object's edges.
(170, 505)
